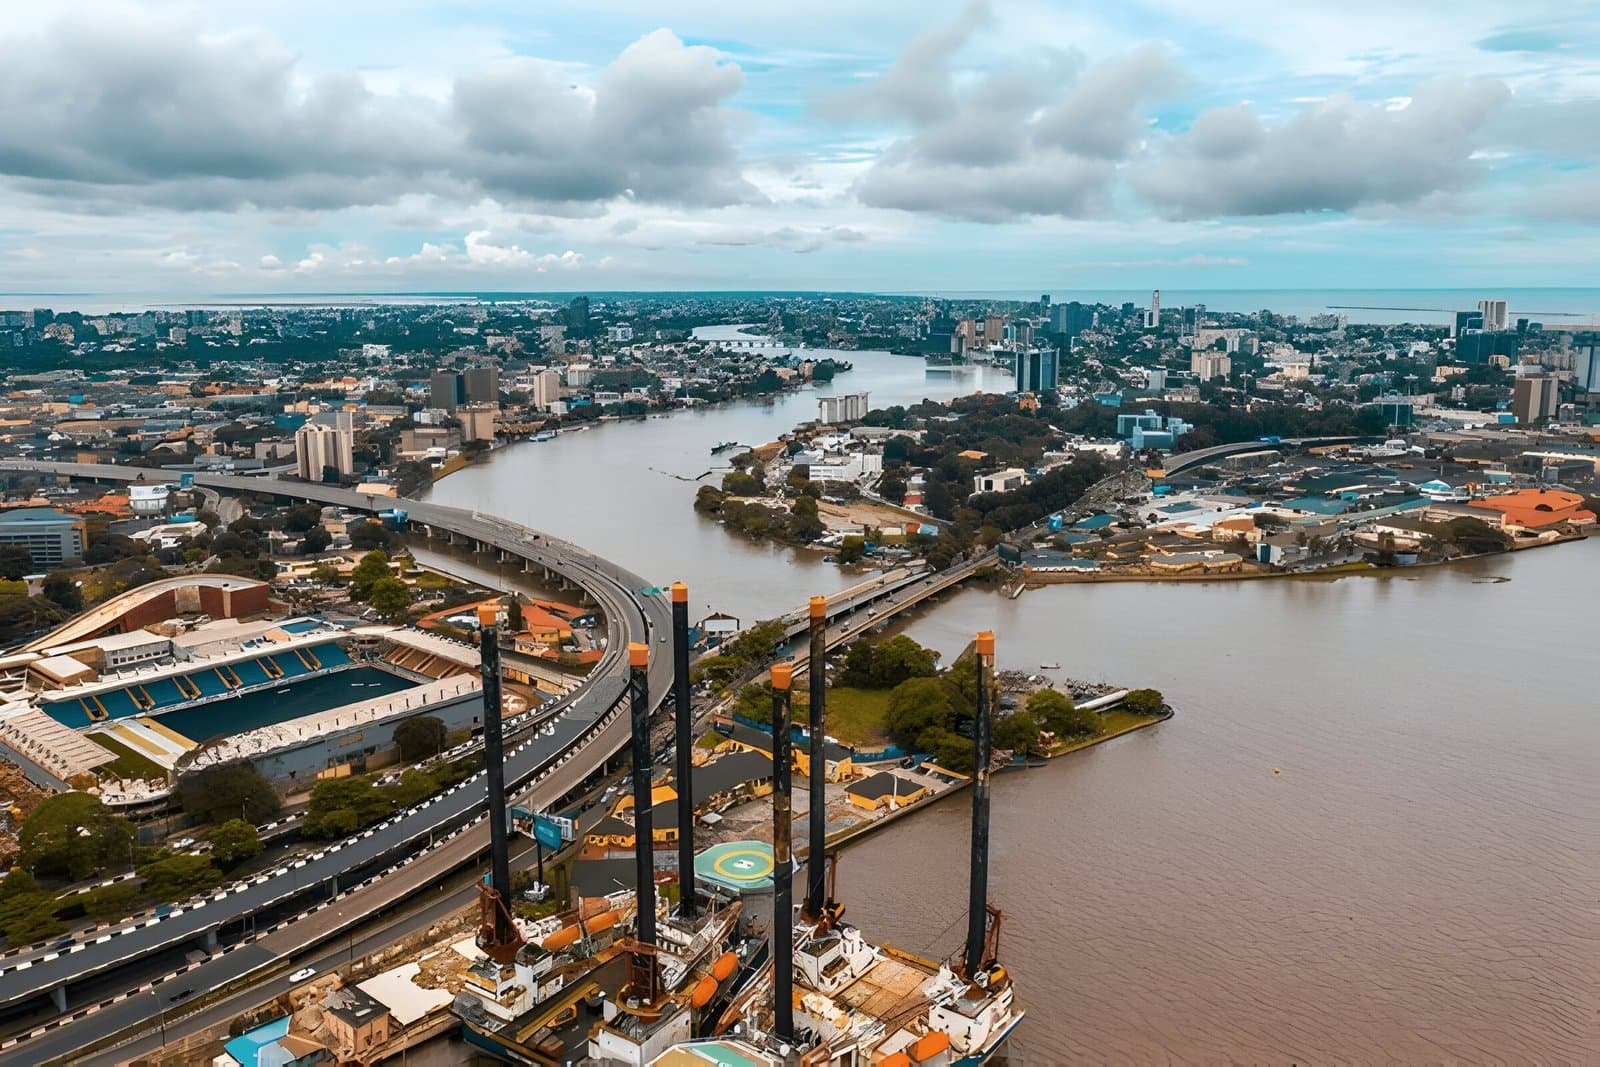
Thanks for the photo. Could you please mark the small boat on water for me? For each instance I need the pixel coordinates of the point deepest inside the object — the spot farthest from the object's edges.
(1049, 666)
(723, 446)
(545, 435)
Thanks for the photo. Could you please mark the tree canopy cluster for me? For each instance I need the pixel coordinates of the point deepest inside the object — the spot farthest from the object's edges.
(342, 806)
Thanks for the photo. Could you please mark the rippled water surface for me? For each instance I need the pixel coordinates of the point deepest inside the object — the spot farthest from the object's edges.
(1418, 884)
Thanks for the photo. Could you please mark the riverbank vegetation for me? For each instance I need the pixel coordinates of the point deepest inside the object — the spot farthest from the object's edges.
(893, 692)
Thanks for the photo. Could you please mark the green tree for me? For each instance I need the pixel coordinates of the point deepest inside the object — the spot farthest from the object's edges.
(107, 902)
(756, 644)
(851, 549)
(915, 706)
(948, 748)
(302, 517)
(893, 489)
(29, 917)
(228, 791)
(1017, 731)
(371, 535)
(390, 597)
(15, 561)
(1144, 701)
(420, 737)
(341, 806)
(1055, 712)
(74, 835)
(315, 540)
(413, 788)
(804, 524)
(374, 567)
(857, 672)
(708, 498)
(62, 590)
(737, 483)
(900, 658)
(233, 842)
(174, 878)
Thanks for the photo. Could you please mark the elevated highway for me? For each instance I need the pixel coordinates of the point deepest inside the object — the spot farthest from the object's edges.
(1183, 461)
(386, 862)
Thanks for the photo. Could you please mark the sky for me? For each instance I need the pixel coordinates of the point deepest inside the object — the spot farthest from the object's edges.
(302, 146)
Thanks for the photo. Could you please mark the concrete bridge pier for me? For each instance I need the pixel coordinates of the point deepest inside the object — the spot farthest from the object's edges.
(58, 997)
(211, 940)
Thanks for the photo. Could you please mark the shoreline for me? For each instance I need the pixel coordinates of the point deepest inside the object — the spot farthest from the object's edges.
(853, 834)
(1359, 568)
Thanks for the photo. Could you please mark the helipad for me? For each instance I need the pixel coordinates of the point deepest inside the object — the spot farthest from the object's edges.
(742, 866)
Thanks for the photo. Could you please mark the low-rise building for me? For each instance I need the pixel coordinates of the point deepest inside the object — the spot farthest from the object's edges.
(885, 791)
(358, 1022)
(50, 536)
(1001, 481)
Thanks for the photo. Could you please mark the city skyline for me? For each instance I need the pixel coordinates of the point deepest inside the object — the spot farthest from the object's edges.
(283, 149)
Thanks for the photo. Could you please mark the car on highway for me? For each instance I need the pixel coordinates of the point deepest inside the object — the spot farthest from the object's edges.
(302, 974)
(183, 842)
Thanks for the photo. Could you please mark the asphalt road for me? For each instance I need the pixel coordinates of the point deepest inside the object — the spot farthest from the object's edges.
(574, 741)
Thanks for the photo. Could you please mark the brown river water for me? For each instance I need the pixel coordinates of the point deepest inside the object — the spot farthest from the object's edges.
(1420, 882)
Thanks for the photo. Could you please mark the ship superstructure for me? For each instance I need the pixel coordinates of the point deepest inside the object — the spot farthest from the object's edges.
(835, 998)
(616, 981)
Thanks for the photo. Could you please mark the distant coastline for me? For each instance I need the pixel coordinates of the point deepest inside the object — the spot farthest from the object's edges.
(1561, 304)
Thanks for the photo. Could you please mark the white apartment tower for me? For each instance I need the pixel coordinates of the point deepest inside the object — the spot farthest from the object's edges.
(318, 446)
(846, 407)
(546, 389)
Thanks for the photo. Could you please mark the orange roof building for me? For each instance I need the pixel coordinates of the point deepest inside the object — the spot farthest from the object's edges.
(1538, 509)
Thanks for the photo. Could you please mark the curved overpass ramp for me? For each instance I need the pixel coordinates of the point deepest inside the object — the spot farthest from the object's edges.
(1199, 457)
(443, 833)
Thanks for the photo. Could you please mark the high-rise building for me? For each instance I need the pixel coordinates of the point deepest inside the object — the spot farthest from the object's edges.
(1152, 318)
(546, 389)
(1586, 365)
(1479, 346)
(577, 314)
(994, 330)
(1209, 364)
(446, 390)
(846, 407)
(1038, 370)
(477, 421)
(1533, 398)
(481, 385)
(320, 447)
(1494, 314)
(1071, 319)
(1466, 320)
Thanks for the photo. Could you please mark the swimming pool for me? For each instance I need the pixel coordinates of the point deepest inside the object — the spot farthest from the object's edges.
(267, 706)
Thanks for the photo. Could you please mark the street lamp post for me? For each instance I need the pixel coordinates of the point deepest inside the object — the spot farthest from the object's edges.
(161, 1011)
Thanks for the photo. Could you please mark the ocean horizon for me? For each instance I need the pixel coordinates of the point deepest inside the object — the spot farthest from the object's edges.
(1552, 305)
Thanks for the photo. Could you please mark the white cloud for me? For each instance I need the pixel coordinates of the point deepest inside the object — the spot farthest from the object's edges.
(135, 110)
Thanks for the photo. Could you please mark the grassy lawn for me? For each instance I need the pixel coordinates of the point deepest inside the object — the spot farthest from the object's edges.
(1116, 721)
(432, 580)
(128, 764)
(856, 716)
